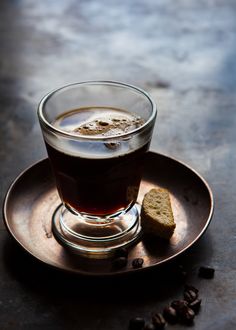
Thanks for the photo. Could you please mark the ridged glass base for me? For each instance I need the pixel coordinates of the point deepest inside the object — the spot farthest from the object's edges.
(95, 237)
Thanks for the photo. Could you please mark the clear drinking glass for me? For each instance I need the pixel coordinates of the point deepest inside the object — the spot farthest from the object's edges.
(96, 134)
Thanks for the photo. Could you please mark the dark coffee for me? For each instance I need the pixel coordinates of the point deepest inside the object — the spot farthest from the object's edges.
(98, 178)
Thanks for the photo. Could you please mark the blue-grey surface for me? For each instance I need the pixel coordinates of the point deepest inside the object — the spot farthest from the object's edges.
(182, 52)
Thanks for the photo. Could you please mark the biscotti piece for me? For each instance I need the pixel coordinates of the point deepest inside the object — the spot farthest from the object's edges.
(156, 213)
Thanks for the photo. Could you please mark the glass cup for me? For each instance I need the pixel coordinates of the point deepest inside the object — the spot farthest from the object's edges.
(96, 134)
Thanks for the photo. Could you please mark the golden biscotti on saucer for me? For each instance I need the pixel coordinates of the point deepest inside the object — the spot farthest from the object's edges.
(156, 213)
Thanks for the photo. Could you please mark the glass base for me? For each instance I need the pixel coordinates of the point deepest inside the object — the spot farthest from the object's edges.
(95, 237)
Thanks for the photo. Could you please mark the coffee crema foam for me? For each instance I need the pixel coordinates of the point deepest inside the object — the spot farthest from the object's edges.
(109, 126)
(98, 122)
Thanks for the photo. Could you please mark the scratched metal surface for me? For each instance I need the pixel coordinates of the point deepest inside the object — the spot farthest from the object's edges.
(183, 53)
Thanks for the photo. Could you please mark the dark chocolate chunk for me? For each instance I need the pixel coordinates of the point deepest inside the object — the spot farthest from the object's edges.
(206, 272)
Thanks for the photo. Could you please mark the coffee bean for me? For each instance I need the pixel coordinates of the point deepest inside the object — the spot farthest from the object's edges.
(136, 323)
(179, 305)
(170, 314)
(190, 295)
(137, 262)
(195, 305)
(158, 321)
(190, 287)
(149, 326)
(187, 316)
(119, 262)
(206, 272)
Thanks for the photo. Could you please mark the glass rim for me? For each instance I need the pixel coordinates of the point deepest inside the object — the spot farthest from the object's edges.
(74, 136)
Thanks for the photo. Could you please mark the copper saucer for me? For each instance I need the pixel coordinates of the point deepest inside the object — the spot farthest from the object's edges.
(32, 199)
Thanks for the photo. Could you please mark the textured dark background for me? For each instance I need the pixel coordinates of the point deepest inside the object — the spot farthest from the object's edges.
(182, 52)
